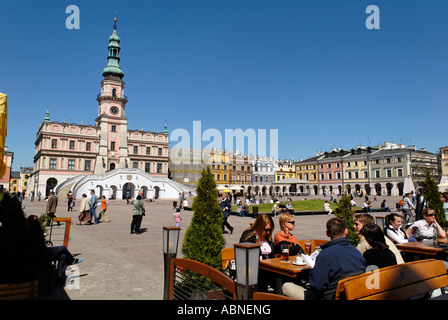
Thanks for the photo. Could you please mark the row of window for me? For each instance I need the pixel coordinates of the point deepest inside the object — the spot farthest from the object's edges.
(71, 146)
(237, 177)
(348, 164)
(355, 174)
(224, 167)
(88, 165)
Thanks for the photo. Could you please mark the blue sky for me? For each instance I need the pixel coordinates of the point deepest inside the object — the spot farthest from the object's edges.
(310, 69)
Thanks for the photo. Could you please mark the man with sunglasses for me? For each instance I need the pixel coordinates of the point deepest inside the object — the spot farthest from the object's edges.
(425, 228)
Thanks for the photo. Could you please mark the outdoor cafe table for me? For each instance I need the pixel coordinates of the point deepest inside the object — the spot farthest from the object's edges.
(425, 248)
(280, 269)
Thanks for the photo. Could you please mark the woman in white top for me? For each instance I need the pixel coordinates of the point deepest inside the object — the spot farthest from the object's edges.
(425, 227)
(394, 231)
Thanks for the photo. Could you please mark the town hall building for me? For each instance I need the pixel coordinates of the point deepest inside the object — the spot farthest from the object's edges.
(107, 157)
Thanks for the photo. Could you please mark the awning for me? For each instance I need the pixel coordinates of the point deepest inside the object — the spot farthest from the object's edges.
(443, 184)
(291, 181)
(408, 185)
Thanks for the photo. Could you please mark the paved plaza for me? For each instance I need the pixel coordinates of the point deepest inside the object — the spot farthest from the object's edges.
(120, 265)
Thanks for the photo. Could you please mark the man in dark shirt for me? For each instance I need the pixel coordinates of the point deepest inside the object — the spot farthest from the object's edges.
(337, 260)
(226, 207)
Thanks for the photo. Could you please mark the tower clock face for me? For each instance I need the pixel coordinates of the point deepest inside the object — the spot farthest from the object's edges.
(114, 110)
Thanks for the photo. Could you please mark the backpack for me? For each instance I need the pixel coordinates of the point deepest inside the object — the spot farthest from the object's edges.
(401, 203)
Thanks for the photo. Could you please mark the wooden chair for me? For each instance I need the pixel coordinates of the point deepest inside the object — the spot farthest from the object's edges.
(68, 222)
(193, 280)
(314, 243)
(227, 255)
(400, 282)
(269, 296)
(19, 291)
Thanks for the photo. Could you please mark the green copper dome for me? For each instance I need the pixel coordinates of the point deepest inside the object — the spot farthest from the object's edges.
(113, 65)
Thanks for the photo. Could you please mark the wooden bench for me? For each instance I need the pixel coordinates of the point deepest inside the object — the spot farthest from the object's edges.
(400, 282)
(19, 291)
(270, 296)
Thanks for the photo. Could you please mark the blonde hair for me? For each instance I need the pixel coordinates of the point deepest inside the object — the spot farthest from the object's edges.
(282, 219)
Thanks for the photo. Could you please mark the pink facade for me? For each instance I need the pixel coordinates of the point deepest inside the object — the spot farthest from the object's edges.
(65, 150)
(331, 174)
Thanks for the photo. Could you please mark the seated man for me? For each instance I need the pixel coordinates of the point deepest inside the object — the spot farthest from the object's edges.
(282, 207)
(242, 210)
(360, 221)
(384, 207)
(367, 206)
(275, 209)
(327, 207)
(337, 260)
(289, 207)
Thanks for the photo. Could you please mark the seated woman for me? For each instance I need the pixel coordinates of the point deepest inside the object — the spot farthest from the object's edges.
(394, 231)
(242, 210)
(284, 236)
(379, 255)
(261, 232)
(425, 228)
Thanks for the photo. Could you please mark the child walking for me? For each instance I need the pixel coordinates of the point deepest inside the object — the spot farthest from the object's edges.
(177, 217)
(103, 212)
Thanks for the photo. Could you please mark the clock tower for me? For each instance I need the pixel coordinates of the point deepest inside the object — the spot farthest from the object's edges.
(113, 145)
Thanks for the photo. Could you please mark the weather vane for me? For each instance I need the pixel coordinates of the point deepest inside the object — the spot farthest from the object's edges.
(115, 20)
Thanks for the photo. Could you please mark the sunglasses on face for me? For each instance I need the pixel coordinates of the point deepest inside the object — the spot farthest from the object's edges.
(430, 215)
(267, 230)
(291, 222)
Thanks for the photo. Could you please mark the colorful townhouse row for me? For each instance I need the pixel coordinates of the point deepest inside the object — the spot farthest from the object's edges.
(389, 169)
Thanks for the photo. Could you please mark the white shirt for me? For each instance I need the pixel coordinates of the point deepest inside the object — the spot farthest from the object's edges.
(424, 229)
(398, 236)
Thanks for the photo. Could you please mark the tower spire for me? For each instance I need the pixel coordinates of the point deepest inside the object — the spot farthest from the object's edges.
(47, 116)
(113, 65)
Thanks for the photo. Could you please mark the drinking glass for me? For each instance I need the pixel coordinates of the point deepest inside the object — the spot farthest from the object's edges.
(285, 253)
(307, 247)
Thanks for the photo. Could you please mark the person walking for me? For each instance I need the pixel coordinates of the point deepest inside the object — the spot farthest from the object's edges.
(407, 208)
(103, 212)
(93, 204)
(84, 211)
(226, 207)
(177, 217)
(69, 201)
(52, 204)
(138, 212)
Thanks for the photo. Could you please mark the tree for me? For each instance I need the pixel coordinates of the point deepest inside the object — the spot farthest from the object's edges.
(344, 211)
(434, 198)
(203, 239)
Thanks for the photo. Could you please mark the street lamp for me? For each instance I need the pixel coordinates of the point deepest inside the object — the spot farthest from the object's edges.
(247, 260)
(170, 243)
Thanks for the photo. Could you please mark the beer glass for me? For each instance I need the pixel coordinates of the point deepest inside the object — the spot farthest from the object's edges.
(285, 253)
(307, 247)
